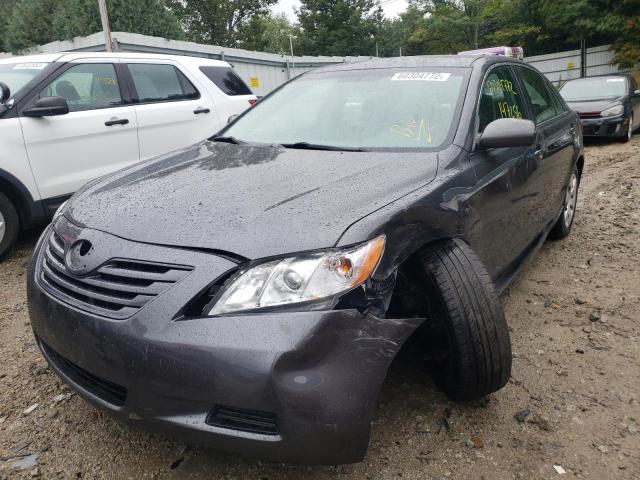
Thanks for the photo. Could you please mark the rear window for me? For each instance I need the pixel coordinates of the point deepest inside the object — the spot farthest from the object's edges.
(161, 83)
(226, 80)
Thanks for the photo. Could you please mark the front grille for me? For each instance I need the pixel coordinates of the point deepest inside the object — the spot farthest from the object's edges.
(117, 289)
(252, 421)
(104, 389)
(589, 114)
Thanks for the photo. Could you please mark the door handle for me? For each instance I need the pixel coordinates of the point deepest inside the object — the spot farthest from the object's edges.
(201, 110)
(116, 121)
(538, 152)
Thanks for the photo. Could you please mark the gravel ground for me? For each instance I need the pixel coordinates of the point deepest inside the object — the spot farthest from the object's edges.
(573, 400)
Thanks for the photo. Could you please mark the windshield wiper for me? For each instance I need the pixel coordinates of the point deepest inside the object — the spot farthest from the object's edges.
(233, 140)
(317, 146)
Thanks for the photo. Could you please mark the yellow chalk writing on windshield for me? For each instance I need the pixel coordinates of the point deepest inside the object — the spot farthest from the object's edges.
(414, 129)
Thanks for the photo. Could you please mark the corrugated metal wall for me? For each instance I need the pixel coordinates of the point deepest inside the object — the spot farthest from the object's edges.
(563, 66)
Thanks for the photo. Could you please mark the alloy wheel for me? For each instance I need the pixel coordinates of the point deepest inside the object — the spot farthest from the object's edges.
(3, 227)
(571, 200)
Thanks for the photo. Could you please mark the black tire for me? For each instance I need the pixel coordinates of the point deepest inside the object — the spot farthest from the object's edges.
(9, 224)
(563, 225)
(466, 311)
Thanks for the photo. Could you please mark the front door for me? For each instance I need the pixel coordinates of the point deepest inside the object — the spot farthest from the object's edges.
(98, 135)
(507, 194)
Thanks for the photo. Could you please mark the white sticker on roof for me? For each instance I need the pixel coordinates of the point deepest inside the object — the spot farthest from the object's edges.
(423, 76)
(29, 66)
(615, 79)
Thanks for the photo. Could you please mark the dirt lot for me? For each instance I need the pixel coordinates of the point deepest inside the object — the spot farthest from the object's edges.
(574, 314)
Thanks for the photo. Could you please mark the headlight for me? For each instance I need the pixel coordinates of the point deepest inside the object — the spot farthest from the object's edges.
(612, 111)
(60, 209)
(314, 277)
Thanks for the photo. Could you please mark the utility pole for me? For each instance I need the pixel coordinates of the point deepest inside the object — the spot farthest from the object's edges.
(104, 17)
(293, 63)
(377, 49)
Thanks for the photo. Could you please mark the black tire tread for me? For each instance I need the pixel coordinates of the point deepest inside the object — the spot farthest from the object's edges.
(12, 221)
(482, 348)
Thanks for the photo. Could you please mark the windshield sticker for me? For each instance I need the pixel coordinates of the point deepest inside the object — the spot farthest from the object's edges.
(423, 76)
(29, 66)
(615, 79)
(414, 130)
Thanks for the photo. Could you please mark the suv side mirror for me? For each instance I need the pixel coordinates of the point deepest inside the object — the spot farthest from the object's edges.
(5, 92)
(508, 132)
(47, 107)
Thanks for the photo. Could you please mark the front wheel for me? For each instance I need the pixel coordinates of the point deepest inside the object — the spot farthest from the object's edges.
(563, 226)
(629, 134)
(9, 224)
(468, 336)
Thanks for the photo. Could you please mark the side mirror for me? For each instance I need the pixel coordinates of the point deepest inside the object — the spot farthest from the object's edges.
(232, 118)
(5, 92)
(47, 107)
(508, 132)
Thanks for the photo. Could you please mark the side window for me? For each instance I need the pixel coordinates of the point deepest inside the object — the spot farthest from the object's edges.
(161, 83)
(226, 80)
(540, 98)
(88, 86)
(500, 98)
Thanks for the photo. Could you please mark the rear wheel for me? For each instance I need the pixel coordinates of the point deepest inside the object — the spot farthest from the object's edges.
(9, 224)
(467, 336)
(562, 228)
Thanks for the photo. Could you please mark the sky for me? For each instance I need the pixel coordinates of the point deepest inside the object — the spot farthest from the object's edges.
(391, 7)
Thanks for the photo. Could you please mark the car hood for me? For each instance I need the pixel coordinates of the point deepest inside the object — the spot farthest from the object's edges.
(253, 201)
(595, 105)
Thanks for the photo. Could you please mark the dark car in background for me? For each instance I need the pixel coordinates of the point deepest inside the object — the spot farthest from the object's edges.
(251, 291)
(608, 105)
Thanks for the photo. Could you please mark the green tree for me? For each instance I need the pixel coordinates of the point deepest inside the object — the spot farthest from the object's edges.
(338, 27)
(218, 22)
(34, 22)
(269, 33)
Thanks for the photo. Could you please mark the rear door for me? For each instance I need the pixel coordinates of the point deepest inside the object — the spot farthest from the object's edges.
(96, 137)
(172, 112)
(559, 127)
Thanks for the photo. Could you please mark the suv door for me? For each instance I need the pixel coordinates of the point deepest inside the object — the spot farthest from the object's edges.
(506, 196)
(98, 135)
(172, 113)
(559, 128)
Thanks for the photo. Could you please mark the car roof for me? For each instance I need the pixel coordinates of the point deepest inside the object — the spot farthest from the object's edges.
(418, 61)
(45, 58)
(74, 56)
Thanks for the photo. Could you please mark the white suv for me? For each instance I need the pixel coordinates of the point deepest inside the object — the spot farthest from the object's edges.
(68, 118)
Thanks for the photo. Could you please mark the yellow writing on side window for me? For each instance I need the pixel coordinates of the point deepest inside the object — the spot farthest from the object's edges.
(497, 86)
(414, 130)
(509, 111)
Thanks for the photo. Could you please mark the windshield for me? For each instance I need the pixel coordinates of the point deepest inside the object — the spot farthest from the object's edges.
(591, 88)
(17, 75)
(381, 108)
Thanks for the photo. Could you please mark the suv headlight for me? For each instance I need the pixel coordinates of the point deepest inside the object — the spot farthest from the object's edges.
(312, 277)
(612, 111)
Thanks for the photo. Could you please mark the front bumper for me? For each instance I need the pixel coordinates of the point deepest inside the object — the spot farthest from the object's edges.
(316, 374)
(605, 126)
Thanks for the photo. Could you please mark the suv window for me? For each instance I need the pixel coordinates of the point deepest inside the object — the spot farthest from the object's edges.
(540, 98)
(161, 83)
(500, 97)
(226, 80)
(87, 86)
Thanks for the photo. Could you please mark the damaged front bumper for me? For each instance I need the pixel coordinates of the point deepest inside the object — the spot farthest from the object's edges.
(299, 387)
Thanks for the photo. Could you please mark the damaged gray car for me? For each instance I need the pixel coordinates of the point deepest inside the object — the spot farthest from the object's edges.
(250, 292)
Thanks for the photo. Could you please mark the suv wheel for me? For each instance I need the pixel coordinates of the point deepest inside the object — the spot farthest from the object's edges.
(629, 134)
(9, 224)
(468, 338)
(563, 226)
